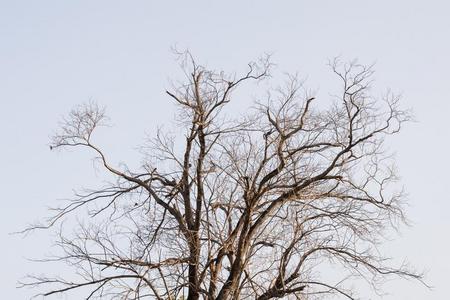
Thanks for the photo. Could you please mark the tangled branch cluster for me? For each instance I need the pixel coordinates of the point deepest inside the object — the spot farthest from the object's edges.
(250, 209)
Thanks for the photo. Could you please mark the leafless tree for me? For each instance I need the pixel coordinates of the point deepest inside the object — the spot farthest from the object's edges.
(259, 207)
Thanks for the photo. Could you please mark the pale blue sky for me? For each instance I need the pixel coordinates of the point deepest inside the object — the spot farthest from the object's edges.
(56, 54)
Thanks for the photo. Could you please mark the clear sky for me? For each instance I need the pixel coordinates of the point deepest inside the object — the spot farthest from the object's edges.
(56, 54)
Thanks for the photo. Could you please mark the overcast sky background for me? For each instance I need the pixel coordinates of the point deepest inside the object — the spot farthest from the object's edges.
(57, 54)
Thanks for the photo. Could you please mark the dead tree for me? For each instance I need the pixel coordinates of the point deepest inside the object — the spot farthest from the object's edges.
(258, 207)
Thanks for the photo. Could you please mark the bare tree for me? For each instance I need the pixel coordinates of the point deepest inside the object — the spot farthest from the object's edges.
(256, 208)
